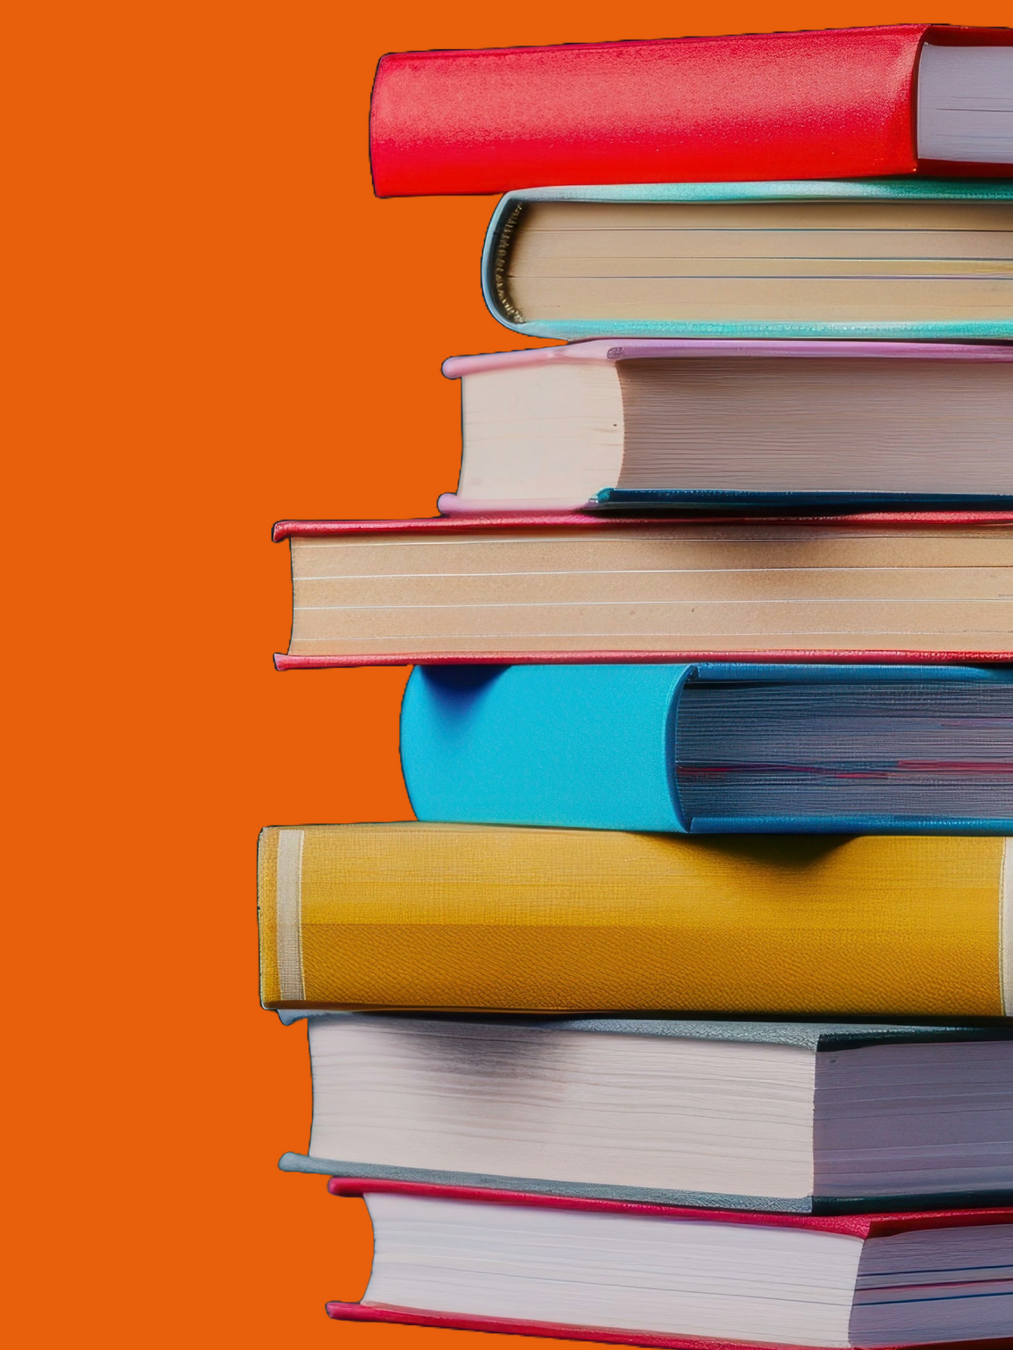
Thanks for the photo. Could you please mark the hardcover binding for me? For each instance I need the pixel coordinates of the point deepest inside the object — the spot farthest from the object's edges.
(378, 1312)
(706, 503)
(461, 764)
(311, 1165)
(336, 529)
(854, 1225)
(504, 219)
(643, 349)
(861, 1226)
(605, 350)
(831, 103)
(282, 661)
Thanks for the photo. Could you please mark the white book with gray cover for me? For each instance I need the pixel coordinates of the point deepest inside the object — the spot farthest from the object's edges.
(817, 1117)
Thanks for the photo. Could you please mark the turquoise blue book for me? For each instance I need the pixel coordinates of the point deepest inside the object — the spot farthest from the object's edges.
(713, 748)
(884, 258)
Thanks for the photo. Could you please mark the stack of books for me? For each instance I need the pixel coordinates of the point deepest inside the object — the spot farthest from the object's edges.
(680, 1014)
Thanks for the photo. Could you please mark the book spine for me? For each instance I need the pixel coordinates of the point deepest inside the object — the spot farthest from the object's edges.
(548, 921)
(832, 104)
(584, 746)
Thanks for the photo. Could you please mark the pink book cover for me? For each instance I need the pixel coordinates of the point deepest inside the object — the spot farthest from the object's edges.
(450, 525)
(853, 1225)
(611, 350)
(641, 349)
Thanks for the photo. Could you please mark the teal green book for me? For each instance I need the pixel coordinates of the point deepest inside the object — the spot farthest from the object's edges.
(891, 258)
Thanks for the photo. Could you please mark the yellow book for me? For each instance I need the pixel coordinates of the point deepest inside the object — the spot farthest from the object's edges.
(490, 918)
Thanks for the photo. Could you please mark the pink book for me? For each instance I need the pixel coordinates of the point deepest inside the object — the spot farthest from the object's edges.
(753, 426)
(688, 1279)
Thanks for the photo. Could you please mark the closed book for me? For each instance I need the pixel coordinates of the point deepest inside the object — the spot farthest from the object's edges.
(796, 1117)
(891, 588)
(718, 424)
(464, 918)
(900, 99)
(682, 1278)
(894, 259)
(713, 749)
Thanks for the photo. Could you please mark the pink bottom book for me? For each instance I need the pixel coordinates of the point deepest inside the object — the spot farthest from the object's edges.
(688, 1279)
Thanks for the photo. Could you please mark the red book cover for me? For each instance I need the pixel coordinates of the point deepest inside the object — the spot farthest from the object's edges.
(853, 1225)
(839, 103)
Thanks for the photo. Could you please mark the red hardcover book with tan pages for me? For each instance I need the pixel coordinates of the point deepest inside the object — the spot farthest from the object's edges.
(839, 103)
(633, 1274)
(507, 589)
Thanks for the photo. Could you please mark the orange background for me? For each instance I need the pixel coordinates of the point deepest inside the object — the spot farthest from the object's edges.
(215, 325)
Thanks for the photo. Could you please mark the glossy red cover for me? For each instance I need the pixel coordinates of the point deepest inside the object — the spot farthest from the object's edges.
(582, 520)
(763, 656)
(837, 103)
(331, 529)
(504, 1326)
(855, 1225)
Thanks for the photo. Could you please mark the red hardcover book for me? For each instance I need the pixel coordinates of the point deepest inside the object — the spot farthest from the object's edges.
(841, 103)
(917, 587)
(732, 1279)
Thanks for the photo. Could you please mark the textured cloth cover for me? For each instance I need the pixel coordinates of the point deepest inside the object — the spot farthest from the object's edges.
(486, 918)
